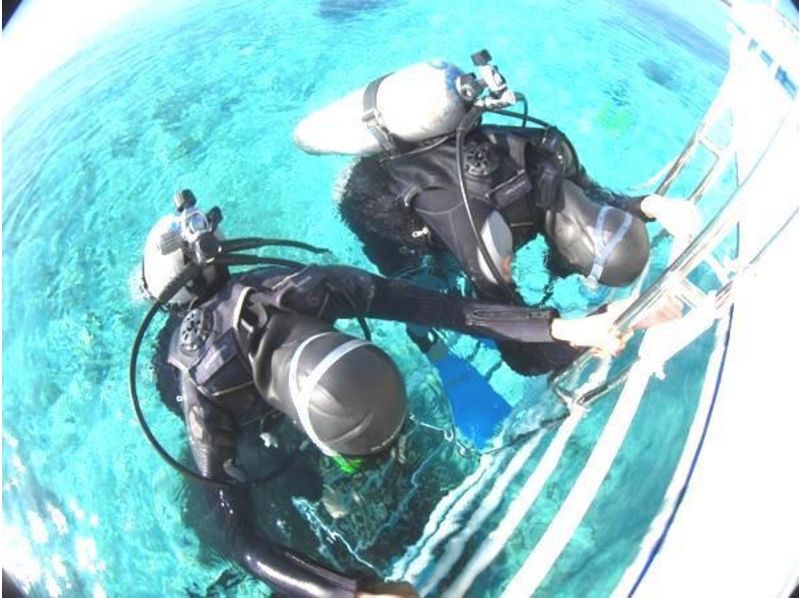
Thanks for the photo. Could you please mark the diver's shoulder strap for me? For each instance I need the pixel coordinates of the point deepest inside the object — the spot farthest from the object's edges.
(547, 168)
(517, 147)
(373, 119)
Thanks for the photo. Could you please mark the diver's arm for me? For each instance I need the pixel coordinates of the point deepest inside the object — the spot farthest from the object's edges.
(212, 436)
(349, 292)
(397, 300)
(599, 194)
(679, 217)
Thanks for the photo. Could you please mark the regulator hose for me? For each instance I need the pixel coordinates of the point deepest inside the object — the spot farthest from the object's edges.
(467, 123)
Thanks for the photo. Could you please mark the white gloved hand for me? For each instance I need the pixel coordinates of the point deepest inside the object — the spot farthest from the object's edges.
(593, 331)
(679, 217)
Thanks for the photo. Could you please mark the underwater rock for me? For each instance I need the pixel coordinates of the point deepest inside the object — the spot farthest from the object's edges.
(124, 145)
(186, 147)
(679, 30)
(615, 120)
(227, 582)
(344, 10)
(660, 73)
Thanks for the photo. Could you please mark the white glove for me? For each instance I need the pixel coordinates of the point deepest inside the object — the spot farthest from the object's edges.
(679, 217)
(592, 331)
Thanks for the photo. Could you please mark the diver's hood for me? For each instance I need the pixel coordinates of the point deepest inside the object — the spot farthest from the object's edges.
(344, 392)
(604, 243)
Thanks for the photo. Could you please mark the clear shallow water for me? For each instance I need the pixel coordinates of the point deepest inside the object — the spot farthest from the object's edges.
(205, 96)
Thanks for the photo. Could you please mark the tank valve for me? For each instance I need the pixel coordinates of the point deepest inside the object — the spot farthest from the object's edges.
(471, 86)
(184, 199)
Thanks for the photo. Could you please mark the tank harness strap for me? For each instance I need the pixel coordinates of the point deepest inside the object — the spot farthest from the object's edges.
(516, 150)
(222, 369)
(551, 141)
(602, 251)
(250, 316)
(517, 185)
(549, 175)
(510, 190)
(373, 119)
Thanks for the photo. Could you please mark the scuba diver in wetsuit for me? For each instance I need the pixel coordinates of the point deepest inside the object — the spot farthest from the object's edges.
(519, 182)
(244, 345)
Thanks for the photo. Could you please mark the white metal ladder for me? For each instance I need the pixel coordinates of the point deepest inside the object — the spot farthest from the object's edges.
(572, 386)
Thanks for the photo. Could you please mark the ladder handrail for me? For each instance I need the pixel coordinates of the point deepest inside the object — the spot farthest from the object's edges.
(673, 281)
(699, 136)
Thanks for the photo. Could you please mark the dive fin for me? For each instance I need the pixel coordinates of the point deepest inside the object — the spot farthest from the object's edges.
(477, 408)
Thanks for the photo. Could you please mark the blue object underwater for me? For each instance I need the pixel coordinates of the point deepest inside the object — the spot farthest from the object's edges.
(476, 407)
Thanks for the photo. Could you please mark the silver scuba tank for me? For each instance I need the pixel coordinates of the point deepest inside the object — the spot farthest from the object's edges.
(413, 104)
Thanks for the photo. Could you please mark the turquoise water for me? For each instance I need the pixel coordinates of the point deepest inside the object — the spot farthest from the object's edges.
(205, 95)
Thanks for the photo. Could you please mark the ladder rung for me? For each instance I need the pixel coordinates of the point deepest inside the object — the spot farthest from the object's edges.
(711, 146)
(679, 287)
(721, 163)
(674, 282)
(690, 294)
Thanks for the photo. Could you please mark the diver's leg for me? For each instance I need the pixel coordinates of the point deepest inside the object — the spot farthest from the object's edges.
(430, 273)
(212, 434)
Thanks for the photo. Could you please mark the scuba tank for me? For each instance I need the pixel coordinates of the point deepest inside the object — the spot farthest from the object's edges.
(413, 104)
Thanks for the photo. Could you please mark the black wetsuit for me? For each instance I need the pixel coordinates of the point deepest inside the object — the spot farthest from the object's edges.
(407, 206)
(223, 348)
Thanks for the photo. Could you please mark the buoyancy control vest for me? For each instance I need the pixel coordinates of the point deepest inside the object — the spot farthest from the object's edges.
(210, 347)
(516, 172)
(217, 341)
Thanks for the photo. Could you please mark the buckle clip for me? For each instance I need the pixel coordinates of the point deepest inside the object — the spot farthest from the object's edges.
(373, 119)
